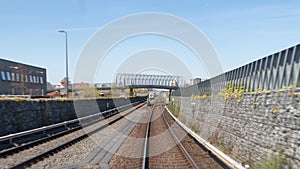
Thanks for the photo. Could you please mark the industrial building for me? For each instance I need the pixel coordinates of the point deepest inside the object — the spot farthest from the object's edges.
(21, 79)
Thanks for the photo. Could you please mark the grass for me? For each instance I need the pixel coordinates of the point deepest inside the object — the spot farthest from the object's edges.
(273, 162)
(221, 145)
(182, 118)
(227, 150)
(174, 108)
(198, 97)
(195, 128)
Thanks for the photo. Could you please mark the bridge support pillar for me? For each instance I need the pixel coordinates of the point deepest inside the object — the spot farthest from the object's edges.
(131, 92)
(170, 91)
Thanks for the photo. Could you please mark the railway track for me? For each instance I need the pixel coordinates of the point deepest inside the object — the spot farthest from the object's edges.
(202, 157)
(166, 145)
(173, 156)
(24, 156)
(13, 143)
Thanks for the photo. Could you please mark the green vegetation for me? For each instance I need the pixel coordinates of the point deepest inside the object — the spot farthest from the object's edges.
(267, 91)
(62, 99)
(90, 91)
(174, 108)
(273, 162)
(17, 99)
(198, 97)
(259, 90)
(274, 110)
(223, 147)
(220, 144)
(292, 86)
(182, 118)
(195, 127)
(233, 91)
(256, 103)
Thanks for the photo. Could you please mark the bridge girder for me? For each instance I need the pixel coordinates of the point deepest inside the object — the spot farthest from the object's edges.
(144, 81)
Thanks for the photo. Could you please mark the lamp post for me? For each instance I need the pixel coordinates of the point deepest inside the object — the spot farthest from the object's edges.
(67, 77)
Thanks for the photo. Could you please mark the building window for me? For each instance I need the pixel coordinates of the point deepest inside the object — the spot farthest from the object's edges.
(30, 79)
(8, 76)
(13, 77)
(17, 77)
(41, 80)
(26, 78)
(34, 79)
(37, 79)
(3, 75)
(22, 78)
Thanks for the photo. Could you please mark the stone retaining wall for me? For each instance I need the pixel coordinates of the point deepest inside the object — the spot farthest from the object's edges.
(250, 128)
(20, 115)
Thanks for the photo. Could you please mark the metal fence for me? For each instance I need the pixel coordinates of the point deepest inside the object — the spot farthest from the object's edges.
(273, 72)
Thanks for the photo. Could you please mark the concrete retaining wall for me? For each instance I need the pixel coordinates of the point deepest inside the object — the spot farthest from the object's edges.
(21, 115)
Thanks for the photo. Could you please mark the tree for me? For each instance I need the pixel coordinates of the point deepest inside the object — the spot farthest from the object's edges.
(90, 92)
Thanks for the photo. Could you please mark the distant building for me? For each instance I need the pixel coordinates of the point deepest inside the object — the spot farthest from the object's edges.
(195, 81)
(103, 85)
(54, 93)
(82, 85)
(21, 79)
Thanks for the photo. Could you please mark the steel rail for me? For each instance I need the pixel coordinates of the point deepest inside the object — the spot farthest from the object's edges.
(179, 144)
(68, 143)
(146, 145)
(18, 148)
(215, 151)
(40, 129)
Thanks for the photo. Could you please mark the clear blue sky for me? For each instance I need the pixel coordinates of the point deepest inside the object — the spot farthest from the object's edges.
(241, 31)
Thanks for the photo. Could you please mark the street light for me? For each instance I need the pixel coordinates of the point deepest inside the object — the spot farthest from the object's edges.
(67, 77)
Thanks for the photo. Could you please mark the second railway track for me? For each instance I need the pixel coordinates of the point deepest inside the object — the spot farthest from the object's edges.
(25, 157)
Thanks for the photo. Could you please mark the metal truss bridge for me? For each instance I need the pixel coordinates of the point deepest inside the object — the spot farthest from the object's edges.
(147, 81)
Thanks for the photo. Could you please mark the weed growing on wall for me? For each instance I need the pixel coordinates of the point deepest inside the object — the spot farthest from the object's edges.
(233, 91)
(174, 108)
(182, 118)
(272, 162)
(198, 97)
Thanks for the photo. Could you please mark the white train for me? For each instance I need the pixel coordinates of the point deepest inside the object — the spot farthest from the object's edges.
(150, 99)
(151, 96)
